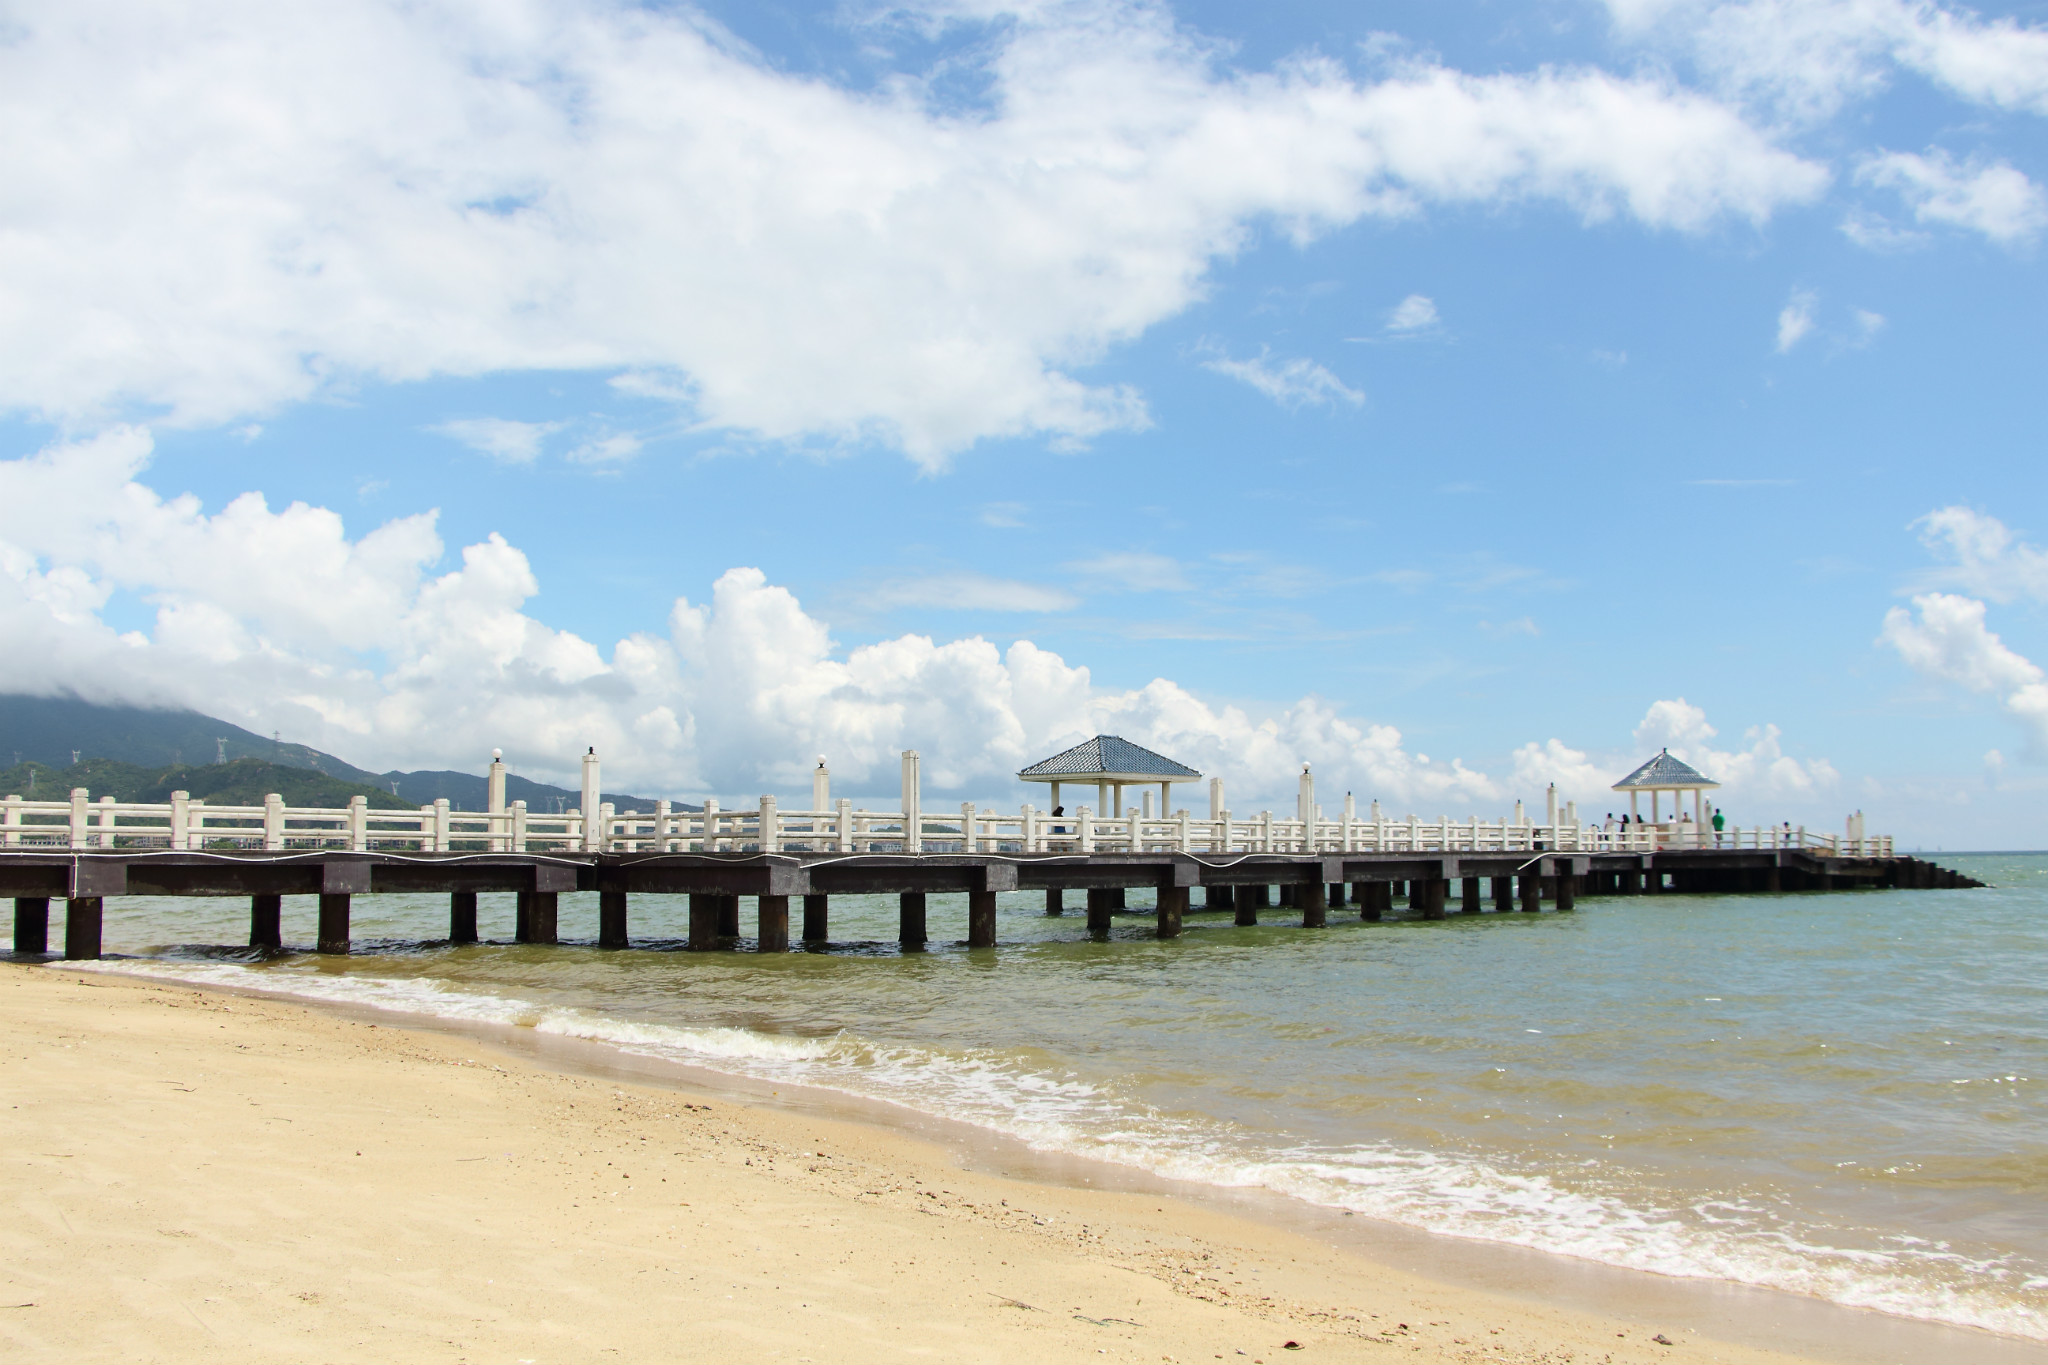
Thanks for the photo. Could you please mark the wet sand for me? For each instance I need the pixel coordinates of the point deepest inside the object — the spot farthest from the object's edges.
(195, 1175)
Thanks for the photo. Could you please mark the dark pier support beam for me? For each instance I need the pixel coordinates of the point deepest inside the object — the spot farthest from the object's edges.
(1532, 893)
(1567, 891)
(266, 922)
(541, 912)
(1469, 899)
(1173, 903)
(1290, 896)
(522, 914)
(1631, 883)
(1435, 895)
(334, 914)
(981, 919)
(1217, 898)
(611, 919)
(1335, 892)
(910, 934)
(31, 924)
(1375, 899)
(82, 923)
(1773, 881)
(462, 916)
(1246, 904)
(771, 934)
(1315, 906)
(703, 922)
(1503, 894)
(817, 914)
(1055, 901)
(728, 916)
(1116, 902)
(1101, 901)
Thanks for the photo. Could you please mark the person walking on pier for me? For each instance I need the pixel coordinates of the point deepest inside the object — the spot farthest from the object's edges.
(1720, 822)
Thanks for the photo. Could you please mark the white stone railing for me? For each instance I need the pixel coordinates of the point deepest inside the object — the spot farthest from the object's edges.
(185, 824)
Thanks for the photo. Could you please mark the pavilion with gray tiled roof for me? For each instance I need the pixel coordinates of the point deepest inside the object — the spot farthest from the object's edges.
(1666, 774)
(1111, 763)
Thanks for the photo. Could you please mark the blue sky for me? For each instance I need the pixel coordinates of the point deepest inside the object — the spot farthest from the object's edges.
(1526, 385)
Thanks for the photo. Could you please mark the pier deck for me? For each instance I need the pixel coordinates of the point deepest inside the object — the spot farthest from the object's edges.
(1309, 885)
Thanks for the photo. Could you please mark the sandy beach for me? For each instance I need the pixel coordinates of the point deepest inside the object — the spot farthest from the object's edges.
(197, 1175)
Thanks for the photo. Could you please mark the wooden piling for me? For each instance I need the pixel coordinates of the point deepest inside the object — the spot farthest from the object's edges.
(31, 924)
(1055, 901)
(1315, 906)
(817, 913)
(334, 915)
(771, 934)
(266, 922)
(83, 917)
(462, 916)
(1173, 903)
(611, 920)
(1532, 894)
(541, 911)
(910, 933)
(981, 919)
(1101, 901)
(1469, 899)
(703, 922)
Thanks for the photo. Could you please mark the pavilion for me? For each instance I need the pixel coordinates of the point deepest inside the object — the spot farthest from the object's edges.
(1111, 764)
(1666, 774)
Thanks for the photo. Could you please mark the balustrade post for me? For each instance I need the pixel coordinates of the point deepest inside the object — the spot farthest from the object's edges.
(273, 822)
(1186, 842)
(1221, 842)
(771, 834)
(443, 831)
(359, 824)
(1028, 822)
(518, 826)
(913, 804)
(710, 824)
(606, 814)
(106, 822)
(13, 826)
(843, 808)
(1084, 828)
(968, 842)
(181, 815)
(80, 799)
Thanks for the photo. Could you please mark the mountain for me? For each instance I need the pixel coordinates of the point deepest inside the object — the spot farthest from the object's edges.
(243, 782)
(119, 749)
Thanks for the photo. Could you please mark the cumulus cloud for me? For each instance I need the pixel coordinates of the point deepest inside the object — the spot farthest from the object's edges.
(1760, 776)
(1994, 199)
(503, 440)
(1807, 58)
(1292, 383)
(378, 648)
(1983, 555)
(1795, 319)
(1416, 313)
(215, 210)
(1944, 637)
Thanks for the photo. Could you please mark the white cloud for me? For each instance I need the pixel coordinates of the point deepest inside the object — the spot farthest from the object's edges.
(1995, 199)
(967, 592)
(1984, 556)
(1795, 319)
(1132, 571)
(1007, 515)
(374, 649)
(1948, 640)
(1868, 325)
(613, 449)
(503, 440)
(1415, 313)
(1806, 58)
(217, 210)
(1293, 384)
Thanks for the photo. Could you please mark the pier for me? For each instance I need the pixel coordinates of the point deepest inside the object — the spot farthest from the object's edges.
(1305, 867)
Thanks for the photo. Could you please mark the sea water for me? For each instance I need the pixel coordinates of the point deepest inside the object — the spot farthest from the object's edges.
(1835, 1094)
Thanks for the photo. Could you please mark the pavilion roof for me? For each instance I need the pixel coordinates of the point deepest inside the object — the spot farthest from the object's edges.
(1109, 757)
(1666, 773)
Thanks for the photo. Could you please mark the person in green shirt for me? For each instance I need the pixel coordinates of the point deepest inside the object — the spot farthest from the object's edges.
(1719, 821)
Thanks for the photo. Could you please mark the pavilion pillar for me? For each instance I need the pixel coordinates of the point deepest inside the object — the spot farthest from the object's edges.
(1315, 907)
(816, 913)
(981, 919)
(1469, 898)
(611, 919)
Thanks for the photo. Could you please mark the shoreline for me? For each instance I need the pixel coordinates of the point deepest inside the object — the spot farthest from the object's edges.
(1536, 1293)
